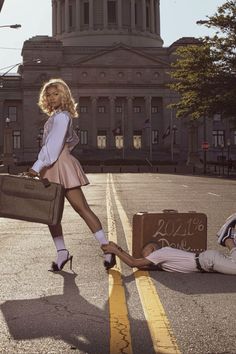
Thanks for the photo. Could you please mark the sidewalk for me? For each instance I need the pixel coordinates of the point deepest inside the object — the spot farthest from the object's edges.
(214, 171)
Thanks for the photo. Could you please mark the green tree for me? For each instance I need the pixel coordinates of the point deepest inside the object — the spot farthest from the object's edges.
(205, 74)
(223, 48)
(193, 73)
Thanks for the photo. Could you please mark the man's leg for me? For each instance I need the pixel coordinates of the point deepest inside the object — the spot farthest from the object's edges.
(214, 261)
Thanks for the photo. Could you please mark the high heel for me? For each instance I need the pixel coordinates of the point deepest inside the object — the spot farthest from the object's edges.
(54, 266)
(112, 263)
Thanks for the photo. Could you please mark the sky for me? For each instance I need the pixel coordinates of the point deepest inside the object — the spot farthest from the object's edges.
(178, 19)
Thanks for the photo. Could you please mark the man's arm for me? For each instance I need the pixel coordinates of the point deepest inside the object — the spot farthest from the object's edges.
(125, 257)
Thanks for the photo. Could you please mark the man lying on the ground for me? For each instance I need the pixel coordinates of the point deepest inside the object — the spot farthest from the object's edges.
(175, 260)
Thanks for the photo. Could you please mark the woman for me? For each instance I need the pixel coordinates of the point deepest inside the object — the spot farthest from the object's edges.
(56, 163)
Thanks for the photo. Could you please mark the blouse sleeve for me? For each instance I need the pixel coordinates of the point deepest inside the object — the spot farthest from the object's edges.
(159, 256)
(54, 142)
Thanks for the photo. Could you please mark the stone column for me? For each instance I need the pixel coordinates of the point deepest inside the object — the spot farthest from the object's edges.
(128, 139)
(7, 146)
(105, 15)
(148, 131)
(119, 14)
(77, 15)
(148, 102)
(1, 121)
(54, 17)
(158, 31)
(1, 109)
(152, 16)
(91, 20)
(112, 100)
(144, 25)
(132, 10)
(58, 17)
(67, 25)
(94, 121)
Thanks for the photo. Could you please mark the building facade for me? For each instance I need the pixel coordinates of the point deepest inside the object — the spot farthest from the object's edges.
(111, 54)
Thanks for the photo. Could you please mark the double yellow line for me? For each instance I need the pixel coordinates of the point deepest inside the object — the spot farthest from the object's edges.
(157, 321)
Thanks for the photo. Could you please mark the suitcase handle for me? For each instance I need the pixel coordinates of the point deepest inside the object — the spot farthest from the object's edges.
(170, 211)
(45, 181)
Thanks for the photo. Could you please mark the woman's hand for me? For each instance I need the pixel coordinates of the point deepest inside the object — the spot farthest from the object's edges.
(112, 247)
(31, 173)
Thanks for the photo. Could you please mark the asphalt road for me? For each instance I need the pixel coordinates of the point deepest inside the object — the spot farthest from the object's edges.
(68, 312)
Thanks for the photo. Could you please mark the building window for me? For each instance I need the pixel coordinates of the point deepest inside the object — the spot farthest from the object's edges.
(118, 109)
(119, 141)
(137, 139)
(217, 117)
(83, 109)
(111, 9)
(101, 109)
(12, 113)
(138, 74)
(86, 13)
(120, 74)
(84, 74)
(16, 139)
(218, 138)
(137, 109)
(102, 139)
(154, 109)
(83, 137)
(155, 137)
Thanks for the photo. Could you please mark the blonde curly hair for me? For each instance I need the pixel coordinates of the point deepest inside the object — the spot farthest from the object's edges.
(67, 100)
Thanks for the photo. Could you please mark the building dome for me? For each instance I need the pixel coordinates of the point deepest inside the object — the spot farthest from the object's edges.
(105, 22)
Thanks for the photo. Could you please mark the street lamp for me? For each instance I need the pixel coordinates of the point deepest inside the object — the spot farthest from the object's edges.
(11, 26)
(174, 128)
(228, 155)
(10, 68)
(7, 121)
(7, 145)
(77, 129)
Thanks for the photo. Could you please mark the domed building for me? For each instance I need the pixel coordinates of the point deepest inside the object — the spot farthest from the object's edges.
(111, 54)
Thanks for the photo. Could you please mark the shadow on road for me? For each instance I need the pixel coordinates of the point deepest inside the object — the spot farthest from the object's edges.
(194, 283)
(68, 317)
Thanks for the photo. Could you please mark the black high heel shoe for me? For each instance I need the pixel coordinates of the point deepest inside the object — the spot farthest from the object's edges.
(55, 268)
(112, 263)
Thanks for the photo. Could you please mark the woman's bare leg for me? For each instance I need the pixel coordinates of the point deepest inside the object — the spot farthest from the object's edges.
(78, 201)
(58, 239)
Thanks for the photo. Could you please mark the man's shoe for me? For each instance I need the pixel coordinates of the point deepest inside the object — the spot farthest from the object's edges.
(224, 233)
(229, 233)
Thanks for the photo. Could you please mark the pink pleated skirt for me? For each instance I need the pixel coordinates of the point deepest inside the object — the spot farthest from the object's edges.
(66, 170)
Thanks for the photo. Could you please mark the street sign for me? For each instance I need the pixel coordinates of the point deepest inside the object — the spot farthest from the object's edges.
(205, 145)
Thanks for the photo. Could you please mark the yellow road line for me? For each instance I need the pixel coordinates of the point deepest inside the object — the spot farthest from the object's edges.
(120, 338)
(159, 327)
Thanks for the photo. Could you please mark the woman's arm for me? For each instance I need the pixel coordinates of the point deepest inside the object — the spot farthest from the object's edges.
(51, 150)
(125, 257)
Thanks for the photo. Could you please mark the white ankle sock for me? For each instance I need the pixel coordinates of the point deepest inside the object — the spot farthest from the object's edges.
(101, 237)
(60, 245)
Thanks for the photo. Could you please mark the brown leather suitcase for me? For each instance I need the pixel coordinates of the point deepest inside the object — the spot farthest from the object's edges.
(30, 199)
(187, 231)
